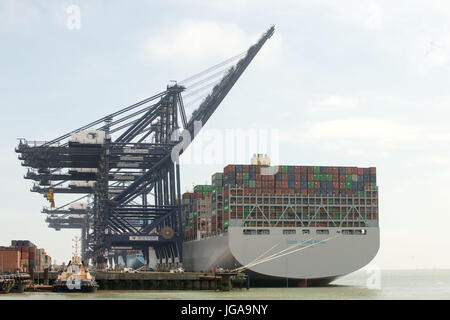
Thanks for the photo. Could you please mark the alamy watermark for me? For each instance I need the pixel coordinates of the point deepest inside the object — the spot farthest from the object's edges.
(73, 21)
(74, 280)
(374, 279)
(218, 146)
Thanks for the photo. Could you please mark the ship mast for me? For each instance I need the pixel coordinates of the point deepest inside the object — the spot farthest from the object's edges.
(76, 257)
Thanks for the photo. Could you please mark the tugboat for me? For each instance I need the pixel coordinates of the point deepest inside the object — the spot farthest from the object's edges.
(76, 278)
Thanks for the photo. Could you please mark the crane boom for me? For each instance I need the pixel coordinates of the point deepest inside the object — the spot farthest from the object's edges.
(212, 101)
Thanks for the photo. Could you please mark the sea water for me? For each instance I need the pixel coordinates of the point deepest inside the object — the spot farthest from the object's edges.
(363, 284)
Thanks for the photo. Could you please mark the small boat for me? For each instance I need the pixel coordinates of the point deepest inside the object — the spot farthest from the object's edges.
(6, 283)
(76, 278)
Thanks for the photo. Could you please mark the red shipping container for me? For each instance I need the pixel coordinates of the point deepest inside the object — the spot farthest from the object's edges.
(360, 171)
(310, 177)
(245, 168)
(297, 170)
(373, 170)
(304, 192)
(229, 168)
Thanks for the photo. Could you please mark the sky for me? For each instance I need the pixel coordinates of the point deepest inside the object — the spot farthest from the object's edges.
(357, 83)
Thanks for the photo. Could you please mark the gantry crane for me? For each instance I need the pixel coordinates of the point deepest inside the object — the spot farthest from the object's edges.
(128, 162)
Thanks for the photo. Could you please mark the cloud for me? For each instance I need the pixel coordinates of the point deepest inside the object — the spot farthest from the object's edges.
(14, 13)
(193, 42)
(357, 135)
(335, 103)
(234, 6)
(430, 49)
(387, 132)
(438, 159)
(369, 15)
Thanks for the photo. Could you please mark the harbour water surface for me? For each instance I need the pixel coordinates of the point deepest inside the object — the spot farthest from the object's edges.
(383, 284)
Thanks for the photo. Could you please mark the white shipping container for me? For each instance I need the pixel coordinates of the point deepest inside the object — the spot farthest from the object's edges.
(82, 184)
(89, 137)
(79, 206)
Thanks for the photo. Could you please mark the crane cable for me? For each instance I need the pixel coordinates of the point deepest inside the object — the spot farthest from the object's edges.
(238, 56)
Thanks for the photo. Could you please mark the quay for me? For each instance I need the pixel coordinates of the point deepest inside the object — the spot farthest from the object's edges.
(14, 282)
(116, 280)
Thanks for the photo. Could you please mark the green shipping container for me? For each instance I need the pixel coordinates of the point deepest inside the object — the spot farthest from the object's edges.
(217, 176)
(348, 178)
(252, 183)
(245, 176)
(316, 170)
(348, 185)
(217, 183)
(311, 185)
(284, 169)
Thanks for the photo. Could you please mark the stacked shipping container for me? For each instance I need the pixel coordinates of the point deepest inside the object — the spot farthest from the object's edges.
(209, 209)
(305, 180)
(29, 257)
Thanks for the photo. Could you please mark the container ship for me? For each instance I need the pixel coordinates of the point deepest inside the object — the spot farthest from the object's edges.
(283, 225)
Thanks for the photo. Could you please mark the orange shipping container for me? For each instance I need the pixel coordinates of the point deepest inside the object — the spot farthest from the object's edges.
(9, 260)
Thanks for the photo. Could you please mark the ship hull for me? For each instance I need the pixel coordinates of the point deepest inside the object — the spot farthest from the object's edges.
(83, 287)
(278, 259)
